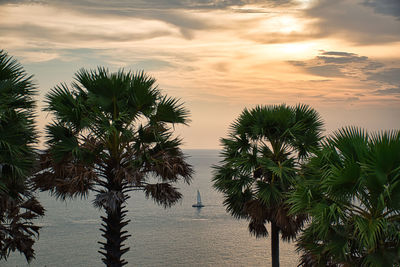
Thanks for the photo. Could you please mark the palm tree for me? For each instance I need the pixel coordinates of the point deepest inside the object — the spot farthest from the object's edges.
(351, 191)
(18, 207)
(260, 159)
(112, 134)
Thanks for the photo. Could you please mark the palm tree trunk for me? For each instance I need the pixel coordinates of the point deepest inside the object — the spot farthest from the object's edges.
(113, 249)
(275, 244)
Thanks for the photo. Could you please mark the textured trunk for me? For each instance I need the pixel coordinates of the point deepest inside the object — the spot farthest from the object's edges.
(275, 244)
(112, 249)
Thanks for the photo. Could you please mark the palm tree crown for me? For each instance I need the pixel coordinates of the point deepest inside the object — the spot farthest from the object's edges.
(259, 166)
(112, 134)
(351, 190)
(18, 207)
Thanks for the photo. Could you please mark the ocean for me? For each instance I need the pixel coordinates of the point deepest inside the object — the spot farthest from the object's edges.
(178, 236)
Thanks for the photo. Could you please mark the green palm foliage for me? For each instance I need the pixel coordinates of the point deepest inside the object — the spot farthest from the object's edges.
(351, 190)
(18, 207)
(112, 134)
(260, 161)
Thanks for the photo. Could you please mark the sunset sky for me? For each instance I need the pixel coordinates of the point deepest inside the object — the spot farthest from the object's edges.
(342, 57)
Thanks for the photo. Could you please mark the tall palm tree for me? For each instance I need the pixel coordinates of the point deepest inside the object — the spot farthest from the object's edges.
(18, 207)
(112, 134)
(259, 165)
(351, 190)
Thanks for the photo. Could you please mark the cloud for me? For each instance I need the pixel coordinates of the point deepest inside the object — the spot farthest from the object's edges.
(357, 22)
(55, 34)
(326, 70)
(337, 64)
(297, 63)
(388, 75)
(157, 4)
(341, 58)
(150, 65)
(221, 66)
(336, 53)
(188, 16)
(279, 37)
(364, 23)
(352, 99)
(320, 81)
(244, 39)
(345, 64)
(356, 69)
(386, 7)
(389, 91)
(373, 65)
(161, 11)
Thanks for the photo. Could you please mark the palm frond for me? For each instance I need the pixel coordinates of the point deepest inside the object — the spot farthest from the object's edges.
(17, 231)
(171, 111)
(349, 196)
(111, 134)
(66, 178)
(18, 207)
(109, 201)
(163, 194)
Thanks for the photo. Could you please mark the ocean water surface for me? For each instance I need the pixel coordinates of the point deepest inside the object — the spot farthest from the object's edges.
(178, 236)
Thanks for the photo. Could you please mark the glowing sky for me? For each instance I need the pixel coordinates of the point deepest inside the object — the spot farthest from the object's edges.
(340, 56)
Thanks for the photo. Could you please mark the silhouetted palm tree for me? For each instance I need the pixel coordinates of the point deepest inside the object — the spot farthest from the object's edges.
(259, 165)
(112, 134)
(351, 190)
(18, 207)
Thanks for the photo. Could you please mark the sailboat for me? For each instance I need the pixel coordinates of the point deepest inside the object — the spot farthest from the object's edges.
(198, 204)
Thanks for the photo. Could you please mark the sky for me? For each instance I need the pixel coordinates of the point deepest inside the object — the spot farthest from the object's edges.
(342, 57)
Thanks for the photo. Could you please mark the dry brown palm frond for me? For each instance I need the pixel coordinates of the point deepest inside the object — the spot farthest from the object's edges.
(163, 194)
(6, 204)
(257, 228)
(170, 165)
(66, 178)
(45, 160)
(135, 177)
(307, 259)
(33, 209)
(289, 225)
(93, 146)
(91, 143)
(256, 210)
(258, 215)
(110, 201)
(16, 227)
(129, 174)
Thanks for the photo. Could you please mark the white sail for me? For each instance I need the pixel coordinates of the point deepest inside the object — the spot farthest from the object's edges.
(198, 204)
(198, 197)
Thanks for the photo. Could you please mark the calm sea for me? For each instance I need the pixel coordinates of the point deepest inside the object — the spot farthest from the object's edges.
(179, 236)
